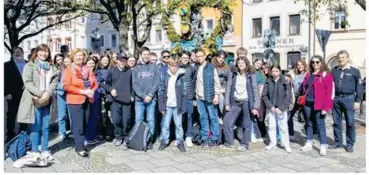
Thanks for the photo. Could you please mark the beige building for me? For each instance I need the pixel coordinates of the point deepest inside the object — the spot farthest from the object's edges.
(348, 33)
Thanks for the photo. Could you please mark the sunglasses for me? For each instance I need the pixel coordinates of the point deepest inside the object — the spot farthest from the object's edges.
(315, 62)
(167, 56)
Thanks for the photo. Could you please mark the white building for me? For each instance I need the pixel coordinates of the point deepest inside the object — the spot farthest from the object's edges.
(282, 16)
(293, 31)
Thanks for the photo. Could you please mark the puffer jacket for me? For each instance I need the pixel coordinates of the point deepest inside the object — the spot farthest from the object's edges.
(277, 94)
(190, 80)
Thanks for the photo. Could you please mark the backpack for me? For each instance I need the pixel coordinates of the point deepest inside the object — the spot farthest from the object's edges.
(18, 146)
(139, 137)
(196, 134)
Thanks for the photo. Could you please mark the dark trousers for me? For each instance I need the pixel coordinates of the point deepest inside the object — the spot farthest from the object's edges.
(189, 118)
(79, 115)
(344, 105)
(120, 113)
(12, 119)
(296, 108)
(315, 115)
(230, 119)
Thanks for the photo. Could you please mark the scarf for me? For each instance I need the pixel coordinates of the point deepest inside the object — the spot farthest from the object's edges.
(44, 72)
(44, 65)
(82, 73)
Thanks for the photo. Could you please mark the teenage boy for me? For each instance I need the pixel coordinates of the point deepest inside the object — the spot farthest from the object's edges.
(207, 94)
(119, 85)
(145, 79)
(172, 103)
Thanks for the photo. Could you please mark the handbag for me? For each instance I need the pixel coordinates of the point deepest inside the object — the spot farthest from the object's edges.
(301, 100)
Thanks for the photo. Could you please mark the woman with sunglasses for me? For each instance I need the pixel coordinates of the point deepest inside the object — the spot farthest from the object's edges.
(318, 88)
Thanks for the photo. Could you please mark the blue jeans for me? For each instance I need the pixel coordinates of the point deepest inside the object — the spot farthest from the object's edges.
(208, 111)
(344, 105)
(62, 114)
(93, 118)
(41, 125)
(172, 112)
(150, 114)
(189, 118)
(316, 115)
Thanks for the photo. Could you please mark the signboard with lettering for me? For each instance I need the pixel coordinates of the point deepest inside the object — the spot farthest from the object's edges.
(279, 43)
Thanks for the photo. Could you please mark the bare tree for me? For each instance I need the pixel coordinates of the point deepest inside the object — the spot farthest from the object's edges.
(124, 14)
(27, 18)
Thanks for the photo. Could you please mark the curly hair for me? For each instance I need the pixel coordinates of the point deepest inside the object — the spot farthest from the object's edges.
(249, 67)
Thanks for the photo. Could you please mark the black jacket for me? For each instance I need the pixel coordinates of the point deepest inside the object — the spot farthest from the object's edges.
(13, 82)
(190, 80)
(277, 94)
(121, 81)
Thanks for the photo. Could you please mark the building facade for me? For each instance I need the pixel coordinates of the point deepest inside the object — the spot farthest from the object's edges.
(284, 17)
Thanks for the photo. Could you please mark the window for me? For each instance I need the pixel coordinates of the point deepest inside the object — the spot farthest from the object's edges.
(275, 25)
(292, 58)
(83, 19)
(257, 27)
(209, 26)
(50, 21)
(158, 36)
(29, 46)
(256, 56)
(294, 24)
(102, 40)
(113, 40)
(277, 57)
(50, 44)
(58, 19)
(68, 24)
(58, 44)
(149, 37)
(68, 42)
(340, 20)
(35, 43)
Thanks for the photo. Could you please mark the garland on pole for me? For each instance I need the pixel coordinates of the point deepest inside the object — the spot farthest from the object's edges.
(192, 34)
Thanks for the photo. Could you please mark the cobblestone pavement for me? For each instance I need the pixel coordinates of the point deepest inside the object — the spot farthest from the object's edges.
(106, 158)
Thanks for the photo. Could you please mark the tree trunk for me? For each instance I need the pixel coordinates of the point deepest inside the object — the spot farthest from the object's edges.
(13, 39)
(123, 38)
(362, 3)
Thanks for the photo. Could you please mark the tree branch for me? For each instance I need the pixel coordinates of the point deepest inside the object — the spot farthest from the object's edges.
(7, 47)
(362, 3)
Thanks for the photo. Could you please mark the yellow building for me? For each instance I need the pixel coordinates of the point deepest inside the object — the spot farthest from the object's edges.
(231, 41)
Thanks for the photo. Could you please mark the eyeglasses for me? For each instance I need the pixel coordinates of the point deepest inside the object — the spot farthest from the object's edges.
(166, 56)
(315, 62)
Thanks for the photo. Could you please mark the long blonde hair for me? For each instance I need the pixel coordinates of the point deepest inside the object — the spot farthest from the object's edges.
(75, 51)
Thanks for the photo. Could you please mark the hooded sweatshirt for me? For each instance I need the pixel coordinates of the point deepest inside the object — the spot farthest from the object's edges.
(145, 80)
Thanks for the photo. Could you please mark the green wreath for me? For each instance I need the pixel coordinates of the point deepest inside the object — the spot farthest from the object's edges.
(192, 33)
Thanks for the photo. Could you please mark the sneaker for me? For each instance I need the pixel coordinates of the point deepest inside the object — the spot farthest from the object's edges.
(226, 146)
(46, 154)
(175, 143)
(100, 137)
(260, 140)
(61, 138)
(323, 150)
(270, 147)
(213, 144)
(350, 148)
(335, 146)
(150, 145)
(118, 142)
(253, 138)
(307, 147)
(124, 146)
(288, 149)
(163, 146)
(204, 144)
(242, 148)
(181, 147)
(108, 138)
(189, 142)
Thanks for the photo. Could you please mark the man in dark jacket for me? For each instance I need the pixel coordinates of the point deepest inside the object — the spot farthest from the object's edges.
(119, 85)
(190, 80)
(13, 89)
(145, 79)
(172, 103)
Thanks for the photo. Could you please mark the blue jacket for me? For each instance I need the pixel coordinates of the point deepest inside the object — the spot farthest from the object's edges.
(181, 95)
(252, 91)
(208, 82)
(145, 80)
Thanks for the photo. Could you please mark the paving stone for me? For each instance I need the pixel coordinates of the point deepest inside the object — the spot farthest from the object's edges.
(166, 169)
(66, 167)
(184, 159)
(214, 170)
(141, 165)
(237, 169)
(161, 154)
(320, 170)
(228, 161)
(254, 165)
(118, 160)
(38, 170)
(244, 158)
(270, 162)
(11, 169)
(203, 156)
(163, 162)
(298, 166)
(281, 169)
(341, 168)
(140, 157)
(141, 171)
(118, 153)
(209, 163)
(188, 167)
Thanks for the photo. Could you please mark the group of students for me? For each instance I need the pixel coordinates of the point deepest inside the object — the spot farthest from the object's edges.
(256, 99)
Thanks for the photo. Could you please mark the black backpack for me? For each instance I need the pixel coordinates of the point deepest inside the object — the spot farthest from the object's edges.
(139, 137)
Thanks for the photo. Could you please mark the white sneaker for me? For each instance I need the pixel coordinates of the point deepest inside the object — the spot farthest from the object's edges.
(220, 121)
(61, 138)
(288, 149)
(189, 142)
(175, 143)
(46, 154)
(253, 138)
(323, 150)
(270, 147)
(260, 140)
(307, 147)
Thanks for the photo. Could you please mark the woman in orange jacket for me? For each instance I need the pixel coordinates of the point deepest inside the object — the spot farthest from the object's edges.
(80, 85)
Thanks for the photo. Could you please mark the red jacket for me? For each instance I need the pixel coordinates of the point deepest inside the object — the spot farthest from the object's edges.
(73, 84)
(323, 89)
